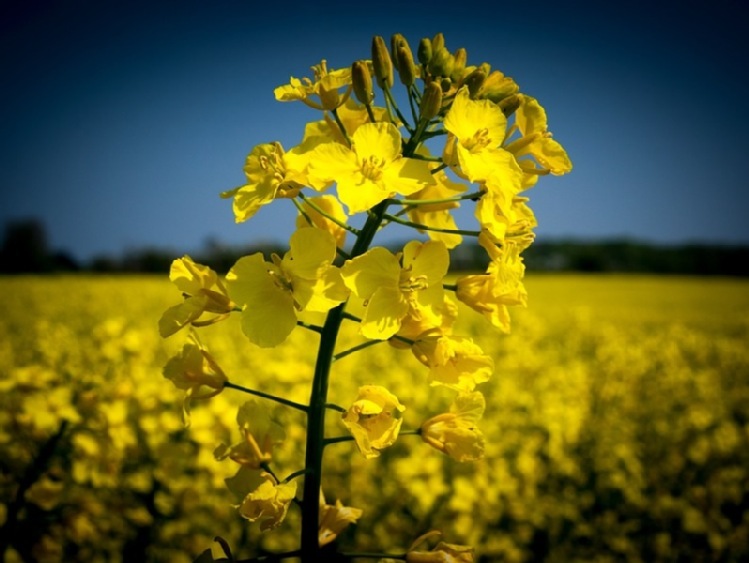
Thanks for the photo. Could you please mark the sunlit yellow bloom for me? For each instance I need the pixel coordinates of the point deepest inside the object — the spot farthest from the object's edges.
(455, 433)
(195, 370)
(501, 286)
(536, 141)
(332, 207)
(437, 215)
(271, 174)
(371, 170)
(372, 419)
(453, 361)
(477, 129)
(514, 224)
(350, 114)
(391, 284)
(334, 519)
(497, 86)
(204, 293)
(325, 87)
(260, 434)
(441, 553)
(271, 293)
(268, 503)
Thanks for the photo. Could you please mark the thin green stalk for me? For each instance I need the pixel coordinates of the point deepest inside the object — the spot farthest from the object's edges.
(325, 214)
(341, 127)
(257, 393)
(356, 348)
(421, 227)
(416, 202)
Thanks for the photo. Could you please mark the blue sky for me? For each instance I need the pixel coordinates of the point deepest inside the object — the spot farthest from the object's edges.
(122, 121)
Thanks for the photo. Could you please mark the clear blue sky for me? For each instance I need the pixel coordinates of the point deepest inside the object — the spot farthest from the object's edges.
(122, 121)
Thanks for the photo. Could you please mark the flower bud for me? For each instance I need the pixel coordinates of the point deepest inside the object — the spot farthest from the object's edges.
(405, 64)
(460, 58)
(396, 41)
(438, 42)
(362, 82)
(509, 104)
(431, 101)
(474, 81)
(446, 84)
(424, 53)
(441, 63)
(383, 65)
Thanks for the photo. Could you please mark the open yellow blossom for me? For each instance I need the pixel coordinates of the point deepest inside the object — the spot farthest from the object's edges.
(195, 370)
(441, 553)
(455, 362)
(204, 293)
(371, 170)
(477, 129)
(260, 434)
(536, 141)
(311, 216)
(334, 518)
(271, 293)
(391, 284)
(514, 224)
(325, 87)
(455, 433)
(269, 502)
(372, 419)
(271, 174)
(350, 114)
(501, 286)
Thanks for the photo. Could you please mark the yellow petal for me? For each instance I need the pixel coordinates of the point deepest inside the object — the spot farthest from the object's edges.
(378, 140)
(385, 310)
(365, 274)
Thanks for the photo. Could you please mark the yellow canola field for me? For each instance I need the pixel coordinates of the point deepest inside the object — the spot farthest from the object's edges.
(617, 428)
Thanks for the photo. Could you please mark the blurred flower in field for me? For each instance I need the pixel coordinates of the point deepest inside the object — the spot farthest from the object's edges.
(204, 293)
(455, 433)
(441, 553)
(372, 419)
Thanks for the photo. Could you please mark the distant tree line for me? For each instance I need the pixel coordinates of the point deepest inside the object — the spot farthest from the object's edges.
(25, 250)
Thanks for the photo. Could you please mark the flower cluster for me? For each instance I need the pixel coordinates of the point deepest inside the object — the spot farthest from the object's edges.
(471, 137)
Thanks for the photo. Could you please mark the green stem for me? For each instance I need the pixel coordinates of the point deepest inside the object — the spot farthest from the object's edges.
(450, 286)
(391, 100)
(317, 408)
(257, 393)
(415, 202)
(421, 227)
(313, 328)
(356, 348)
(338, 440)
(341, 127)
(325, 214)
(371, 555)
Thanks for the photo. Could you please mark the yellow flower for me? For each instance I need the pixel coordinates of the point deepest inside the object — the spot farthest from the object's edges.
(455, 433)
(513, 225)
(334, 519)
(195, 370)
(271, 293)
(203, 293)
(350, 114)
(326, 87)
(313, 218)
(271, 174)
(260, 434)
(441, 553)
(371, 170)
(536, 141)
(477, 130)
(455, 362)
(501, 286)
(372, 419)
(268, 503)
(391, 286)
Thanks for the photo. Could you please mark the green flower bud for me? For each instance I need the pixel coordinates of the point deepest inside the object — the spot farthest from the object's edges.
(362, 82)
(438, 42)
(446, 84)
(405, 64)
(441, 63)
(460, 58)
(424, 53)
(474, 81)
(396, 41)
(431, 101)
(509, 104)
(381, 62)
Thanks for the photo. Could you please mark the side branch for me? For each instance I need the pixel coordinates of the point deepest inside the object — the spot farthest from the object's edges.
(421, 227)
(257, 393)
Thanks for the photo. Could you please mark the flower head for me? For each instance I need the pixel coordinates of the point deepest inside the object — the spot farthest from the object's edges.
(325, 87)
(271, 293)
(371, 170)
(372, 419)
(334, 518)
(204, 293)
(455, 433)
(269, 502)
(454, 362)
(260, 434)
(391, 285)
